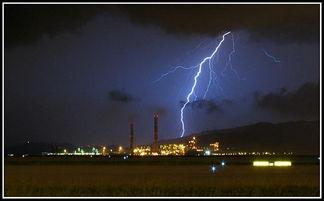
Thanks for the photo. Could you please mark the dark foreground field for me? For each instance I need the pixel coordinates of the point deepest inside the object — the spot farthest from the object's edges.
(73, 176)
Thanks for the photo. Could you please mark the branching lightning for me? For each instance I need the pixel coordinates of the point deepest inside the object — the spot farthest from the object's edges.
(196, 97)
(212, 75)
(211, 71)
(270, 56)
(195, 81)
(229, 61)
(197, 47)
(174, 70)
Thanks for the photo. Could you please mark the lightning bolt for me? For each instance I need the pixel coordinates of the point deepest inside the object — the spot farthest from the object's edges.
(174, 70)
(215, 81)
(195, 81)
(270, 56)
(229, 61)
(211, 71)
(197, 47)
(213, 76)
(196, 97)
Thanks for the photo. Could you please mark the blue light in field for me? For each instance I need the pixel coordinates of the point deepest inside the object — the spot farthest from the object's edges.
(125, 157)
(213, 168)
(223, 163)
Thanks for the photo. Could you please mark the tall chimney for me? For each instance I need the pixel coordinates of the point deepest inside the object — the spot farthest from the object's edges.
(131, 137)
(156, 124)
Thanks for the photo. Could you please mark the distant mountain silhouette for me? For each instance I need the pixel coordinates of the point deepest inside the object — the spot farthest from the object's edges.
(300, 137)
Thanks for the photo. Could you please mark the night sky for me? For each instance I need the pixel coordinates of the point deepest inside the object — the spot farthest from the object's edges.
(81, 73)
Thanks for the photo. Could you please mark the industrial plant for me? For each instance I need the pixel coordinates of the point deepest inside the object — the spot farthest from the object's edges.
(189, 148)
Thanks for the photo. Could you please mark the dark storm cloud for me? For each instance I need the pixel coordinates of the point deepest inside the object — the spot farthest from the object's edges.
(120, 96)
(295, 23)
(202, 104)
(26, 23)
(303, 102)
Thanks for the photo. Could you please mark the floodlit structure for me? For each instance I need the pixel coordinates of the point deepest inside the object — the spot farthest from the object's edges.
(104, 151)
(142, 151)
(86, 151)
(172, 149)
(192, 144)
(214, 146)
(121, 150)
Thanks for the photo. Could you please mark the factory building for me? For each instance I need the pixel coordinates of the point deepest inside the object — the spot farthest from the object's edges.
(214, 146)
(192, 144)
(172, 149)
(142, 151)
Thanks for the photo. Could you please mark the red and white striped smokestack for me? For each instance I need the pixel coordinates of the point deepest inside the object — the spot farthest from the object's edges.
(155, 134)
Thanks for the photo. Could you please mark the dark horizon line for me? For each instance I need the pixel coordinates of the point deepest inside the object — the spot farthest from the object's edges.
(200, 133)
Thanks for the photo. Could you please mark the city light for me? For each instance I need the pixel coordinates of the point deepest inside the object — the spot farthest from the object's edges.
(142, 151)
(192, 144)
(172, 149)
(104, 152)
(207, 153)
(215, 146)
(190, 148)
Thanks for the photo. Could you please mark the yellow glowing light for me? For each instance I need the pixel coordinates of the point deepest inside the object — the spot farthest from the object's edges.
(261, 163)
(282, 163)
(64, 150)
(172, 149)
(276, 163)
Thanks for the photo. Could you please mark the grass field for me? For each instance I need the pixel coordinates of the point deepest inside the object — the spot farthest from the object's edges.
(31, 177)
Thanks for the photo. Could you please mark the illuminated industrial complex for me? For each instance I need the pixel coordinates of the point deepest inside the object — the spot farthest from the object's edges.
(190, 148)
